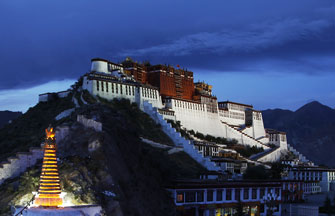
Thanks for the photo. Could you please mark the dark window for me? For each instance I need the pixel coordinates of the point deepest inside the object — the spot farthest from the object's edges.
(218, 195)
(261, 193)
(116, 88)
(228, 194)
(133, 90)
(126, 89)
(97, 85)
(262, 208)
(209, 195)
(200, 196)
(190, 196)
(121, 89)
(107, 86)
(102, 86)
(254, 193)
(246, 193)
(180, 197)
(237, 194)
(112, 87)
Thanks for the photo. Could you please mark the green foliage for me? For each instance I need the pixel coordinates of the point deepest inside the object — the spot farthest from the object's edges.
(276, 170)
(133, 117)
(247, 151)
(256, 172)
(88, 97)
(28, 130)
(327, 207)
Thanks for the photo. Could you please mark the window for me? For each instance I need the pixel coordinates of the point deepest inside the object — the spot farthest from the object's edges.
(228, 194)
(180, 197)
(262, 208)
(254, 193)
(246, 193)
(190, 196)
(237, 194)
(200, 196)
(98, 85)
(112, 87)
(133, 90)
(102, 86)
(120, 88)
(209, 195)
(107, 86)
(126, 89)
(116, 88)
(218, 195)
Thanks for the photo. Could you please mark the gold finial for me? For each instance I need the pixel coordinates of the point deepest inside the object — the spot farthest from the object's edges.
(50, 132)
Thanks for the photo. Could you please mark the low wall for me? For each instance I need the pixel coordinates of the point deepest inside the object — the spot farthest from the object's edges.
(19, 163)
(14, 166)
(90, 123)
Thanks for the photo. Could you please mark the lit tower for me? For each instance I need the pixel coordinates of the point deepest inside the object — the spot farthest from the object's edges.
(49, 190)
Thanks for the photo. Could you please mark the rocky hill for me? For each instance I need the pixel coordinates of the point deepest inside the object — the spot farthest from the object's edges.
(113, 168)
(310, 129)
(6, 116)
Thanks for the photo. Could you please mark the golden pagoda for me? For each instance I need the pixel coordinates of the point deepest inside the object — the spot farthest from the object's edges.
(49, 190)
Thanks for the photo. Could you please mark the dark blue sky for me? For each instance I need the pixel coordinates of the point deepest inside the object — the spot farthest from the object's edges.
(266, 53)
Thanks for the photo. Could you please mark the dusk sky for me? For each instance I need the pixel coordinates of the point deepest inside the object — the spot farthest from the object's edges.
(271, 54)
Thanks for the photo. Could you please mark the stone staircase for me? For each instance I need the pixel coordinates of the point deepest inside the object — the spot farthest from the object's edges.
(245, 138)
(298, 154)
(176, 137)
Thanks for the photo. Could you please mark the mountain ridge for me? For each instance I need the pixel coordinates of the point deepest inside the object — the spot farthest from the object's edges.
(309, 129)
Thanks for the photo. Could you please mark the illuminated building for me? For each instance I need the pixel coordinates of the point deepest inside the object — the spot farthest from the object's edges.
(49, 189)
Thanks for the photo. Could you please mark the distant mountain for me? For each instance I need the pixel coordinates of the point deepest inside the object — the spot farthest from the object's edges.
(310, 129)
(6, 116)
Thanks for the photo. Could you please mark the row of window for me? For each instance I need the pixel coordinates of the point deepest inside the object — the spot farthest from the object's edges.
(149, 93)
(239, 194)
(129, 90)
(188, 105)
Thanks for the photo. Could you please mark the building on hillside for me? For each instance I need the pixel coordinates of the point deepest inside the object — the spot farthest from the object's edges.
(292, 191)
(326, 177)
(207, 148)
(277, 138)
(212, 197)
(231, 165)
(174, 95)
(290, 162)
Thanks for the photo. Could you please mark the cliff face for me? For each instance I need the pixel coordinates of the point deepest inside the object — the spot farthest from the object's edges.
(112, 168)
(310, 130)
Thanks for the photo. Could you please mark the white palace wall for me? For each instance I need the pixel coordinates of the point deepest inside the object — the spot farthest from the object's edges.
(134, 93)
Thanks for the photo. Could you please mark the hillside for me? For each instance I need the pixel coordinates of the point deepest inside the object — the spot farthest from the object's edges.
(6, 116)
(94, 165)
(310, 129)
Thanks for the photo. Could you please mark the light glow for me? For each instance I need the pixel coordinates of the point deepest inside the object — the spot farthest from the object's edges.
(49, 191)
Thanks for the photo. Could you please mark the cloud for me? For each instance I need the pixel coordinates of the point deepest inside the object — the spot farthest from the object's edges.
(256, 37)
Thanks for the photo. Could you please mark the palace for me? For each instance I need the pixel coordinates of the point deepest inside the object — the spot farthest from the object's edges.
(176, 97)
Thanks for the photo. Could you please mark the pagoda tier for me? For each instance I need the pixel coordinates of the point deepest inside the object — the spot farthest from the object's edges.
(49, 189)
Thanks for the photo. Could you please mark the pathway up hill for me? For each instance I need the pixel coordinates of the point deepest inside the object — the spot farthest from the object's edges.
(112, 168)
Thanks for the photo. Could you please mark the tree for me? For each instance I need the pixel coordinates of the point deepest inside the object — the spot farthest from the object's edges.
(256, 172)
